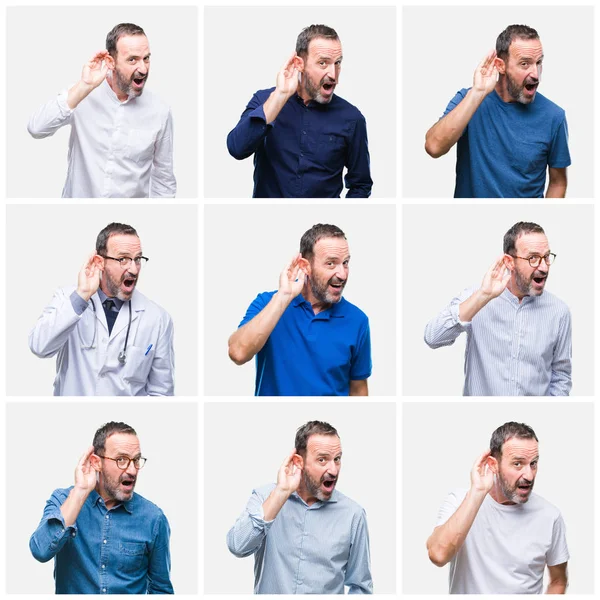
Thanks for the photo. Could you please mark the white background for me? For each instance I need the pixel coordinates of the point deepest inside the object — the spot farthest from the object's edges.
(259, 40)
(439, 460)
(58, 41)
(40, 259)
(247, 247)
(44, 65)
(258, 440)
(448, 248)
(42, 456)
(458, 37)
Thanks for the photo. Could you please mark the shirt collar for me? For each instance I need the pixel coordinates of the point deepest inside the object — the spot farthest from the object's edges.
(315, 104)
(103, 297)
(95, 499)
(111, 93)
(514, 300)
(335, 310)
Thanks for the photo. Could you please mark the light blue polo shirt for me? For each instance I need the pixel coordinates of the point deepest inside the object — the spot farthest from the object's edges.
(312, 355)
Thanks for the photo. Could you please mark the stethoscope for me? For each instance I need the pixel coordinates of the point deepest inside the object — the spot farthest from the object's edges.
(123, 354)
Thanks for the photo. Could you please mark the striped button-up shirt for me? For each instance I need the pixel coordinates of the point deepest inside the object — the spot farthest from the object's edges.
(513, 348)
(314, 549)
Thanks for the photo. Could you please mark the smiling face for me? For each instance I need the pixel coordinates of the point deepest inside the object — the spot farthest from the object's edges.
(517, 469)
(321, 70)
(114, 484)
(131, 66)
(322, 465)
(117, 280)
(328, 270)
(523, 70)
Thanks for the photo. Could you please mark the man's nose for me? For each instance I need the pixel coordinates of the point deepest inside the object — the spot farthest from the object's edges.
(134, 268)
(331, 71)
(534, 71)
(131, 469)
(142, 68)
(528, 473)
(334, 469)
(341, 272)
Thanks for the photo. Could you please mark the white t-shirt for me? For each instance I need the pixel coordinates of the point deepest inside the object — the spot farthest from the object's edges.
(508, 546)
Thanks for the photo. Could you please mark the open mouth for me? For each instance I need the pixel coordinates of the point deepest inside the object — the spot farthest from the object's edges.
(129, 284)
(328, 87)
(138, 82)
(531, 87)
(329, 484)
(128, 484)
(540, 280)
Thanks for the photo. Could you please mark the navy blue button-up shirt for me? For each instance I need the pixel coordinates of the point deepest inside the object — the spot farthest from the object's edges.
(124, 550)
(303, 152)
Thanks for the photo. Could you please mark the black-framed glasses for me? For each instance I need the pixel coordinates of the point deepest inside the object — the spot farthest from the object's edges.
(536, 261)
(123, 462)
(125, 261)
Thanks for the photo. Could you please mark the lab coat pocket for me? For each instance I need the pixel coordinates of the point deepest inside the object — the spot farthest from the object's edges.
(140, 146)
(138, 364)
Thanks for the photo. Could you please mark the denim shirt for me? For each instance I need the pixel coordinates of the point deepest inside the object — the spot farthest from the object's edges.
(124, 550)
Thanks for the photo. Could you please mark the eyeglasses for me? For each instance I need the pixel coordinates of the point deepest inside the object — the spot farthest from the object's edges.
(123, 462)
(536, 261)
(125, 261)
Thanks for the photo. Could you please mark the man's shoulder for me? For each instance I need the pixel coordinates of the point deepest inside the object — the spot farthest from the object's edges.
(549, 107)
(347, 503)
(154, 102)
(263, 491)
(558, 305)
(262, 95)
(348, 309)
(151, 307)
(148, 509)
(538, 504)
(347, 107)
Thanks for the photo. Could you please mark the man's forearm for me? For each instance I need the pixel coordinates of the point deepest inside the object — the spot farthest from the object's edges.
(274, 503)
(249, 339)
(77, 93)
(71, 507)
(275, 102)
(447, 131)
(447, 539)
(556, 190)
(557, 587)
(472, 305)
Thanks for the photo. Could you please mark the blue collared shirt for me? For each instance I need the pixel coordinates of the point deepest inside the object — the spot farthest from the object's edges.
(315, 549)
(303, 152)
(312, 355)
(513, 348)
(124, 550)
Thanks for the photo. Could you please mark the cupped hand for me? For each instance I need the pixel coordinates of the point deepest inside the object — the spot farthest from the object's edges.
(287, 78)
(85, 475)
(94, 71)
(486, 74)
(496, 279)
(291, 280)
(88, 280)
(482, 477)
(288, 477)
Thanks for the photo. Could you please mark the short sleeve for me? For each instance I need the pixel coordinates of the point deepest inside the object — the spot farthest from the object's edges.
(361, 361)
(558, 552)
(458, 98)
(560, 156)
(449, 506)
(257, 305)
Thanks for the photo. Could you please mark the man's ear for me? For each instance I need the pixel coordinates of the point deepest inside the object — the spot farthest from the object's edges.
(99, 262)
(492, 464)
(304, 265)
(110, 62)
(509, 262)
(299, 63)
(298, 461)
(96, 462)
(500, 65)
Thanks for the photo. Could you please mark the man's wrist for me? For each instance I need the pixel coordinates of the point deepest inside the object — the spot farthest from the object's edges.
(283, 299)
(84, 295)
(79, 494)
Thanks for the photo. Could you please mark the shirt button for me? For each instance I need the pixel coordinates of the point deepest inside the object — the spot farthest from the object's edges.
(104, 590)
(106, 517)
(104, 566)
(304, 133)
(73, 534)
(104, 541)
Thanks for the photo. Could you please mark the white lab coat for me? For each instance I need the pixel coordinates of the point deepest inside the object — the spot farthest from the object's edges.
(84, 371)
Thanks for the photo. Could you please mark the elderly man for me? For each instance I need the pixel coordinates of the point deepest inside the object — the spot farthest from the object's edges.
(104, 538)
(307, 339)
(507, 132)
(121, 142)
(307, 537)
(109, 339)
(302, 135)
(499, 535)
(518, 336)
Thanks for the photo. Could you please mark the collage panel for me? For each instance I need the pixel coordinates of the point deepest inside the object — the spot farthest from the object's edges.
(505, 344)
(69, 480)
(342, 144)
(351, 343)
(508, 132)
(154, 348)
(337, 529)
(522, 475)
(121, 122)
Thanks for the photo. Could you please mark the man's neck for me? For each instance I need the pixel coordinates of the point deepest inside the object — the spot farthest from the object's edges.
(498, 496)
(303, 493)
(121, 96)
(317, 305)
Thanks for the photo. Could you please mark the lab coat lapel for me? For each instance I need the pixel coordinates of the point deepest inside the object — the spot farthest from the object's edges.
(99, 312)
(122, 322)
